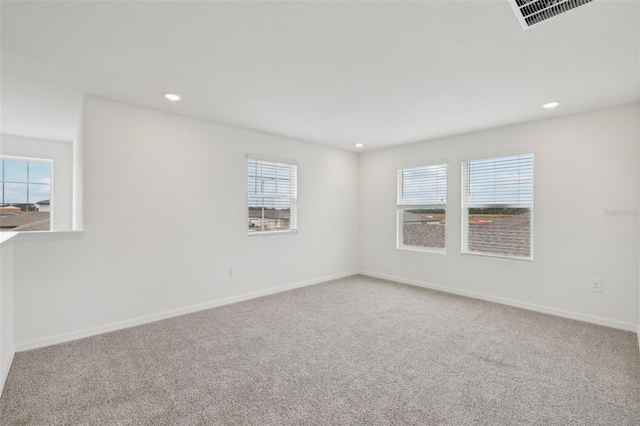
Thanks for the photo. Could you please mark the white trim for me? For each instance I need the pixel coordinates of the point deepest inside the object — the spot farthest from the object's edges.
(280, 160)
(31, 159)
(510, 302)
(6, 236)
(80, 334)
(49, 235)
(275, 232)
(422, 249)
(498, 257)
(425, 163)
(529, 149)
(40, 235)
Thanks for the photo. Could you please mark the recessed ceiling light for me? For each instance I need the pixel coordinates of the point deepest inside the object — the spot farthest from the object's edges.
(550, 105)
(172, 97)
(359, 145)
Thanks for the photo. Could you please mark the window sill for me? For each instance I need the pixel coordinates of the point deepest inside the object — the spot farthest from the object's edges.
(433, 250)
(500, 258)
(267, 233)
(6, 236)
(40, 235)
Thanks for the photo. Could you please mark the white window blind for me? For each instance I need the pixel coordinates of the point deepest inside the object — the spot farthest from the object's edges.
(272, 196)
(422, 203)
(497, 206)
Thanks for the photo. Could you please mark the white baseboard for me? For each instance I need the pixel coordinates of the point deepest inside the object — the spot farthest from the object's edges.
(4, 369)
(67, 337)
(75, 335)
(510, 302)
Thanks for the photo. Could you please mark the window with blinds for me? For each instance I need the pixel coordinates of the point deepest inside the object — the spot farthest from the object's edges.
(422, 207)
(272, 196)
(497, 206)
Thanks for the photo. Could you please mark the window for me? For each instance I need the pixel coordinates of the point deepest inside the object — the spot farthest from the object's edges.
(272, 191)
(25, 198)
(497, 206)
(422, 207)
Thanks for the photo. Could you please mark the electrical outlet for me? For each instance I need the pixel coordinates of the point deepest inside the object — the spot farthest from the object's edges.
(233, 271)
(596, 285)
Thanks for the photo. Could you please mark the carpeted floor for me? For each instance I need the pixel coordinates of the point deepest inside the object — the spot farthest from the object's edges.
(355, 351)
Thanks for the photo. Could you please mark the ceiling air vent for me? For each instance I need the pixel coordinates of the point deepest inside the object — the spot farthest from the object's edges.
(531, 12)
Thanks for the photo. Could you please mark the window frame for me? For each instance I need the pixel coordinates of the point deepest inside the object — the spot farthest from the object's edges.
(51, 185)
(465, 206)
(401, 208)
(292, 197)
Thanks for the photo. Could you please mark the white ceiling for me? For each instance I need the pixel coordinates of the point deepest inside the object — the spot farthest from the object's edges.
(333, 73)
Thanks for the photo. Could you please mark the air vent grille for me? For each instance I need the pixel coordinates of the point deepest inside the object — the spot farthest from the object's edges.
(531, 12)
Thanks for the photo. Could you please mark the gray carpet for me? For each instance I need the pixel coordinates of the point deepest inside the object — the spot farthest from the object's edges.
(355, 351)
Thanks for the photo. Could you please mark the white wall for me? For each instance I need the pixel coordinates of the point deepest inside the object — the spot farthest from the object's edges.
(584, 164)
(62, 155)
(165, 211)
(138, 260)
(7, 349)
